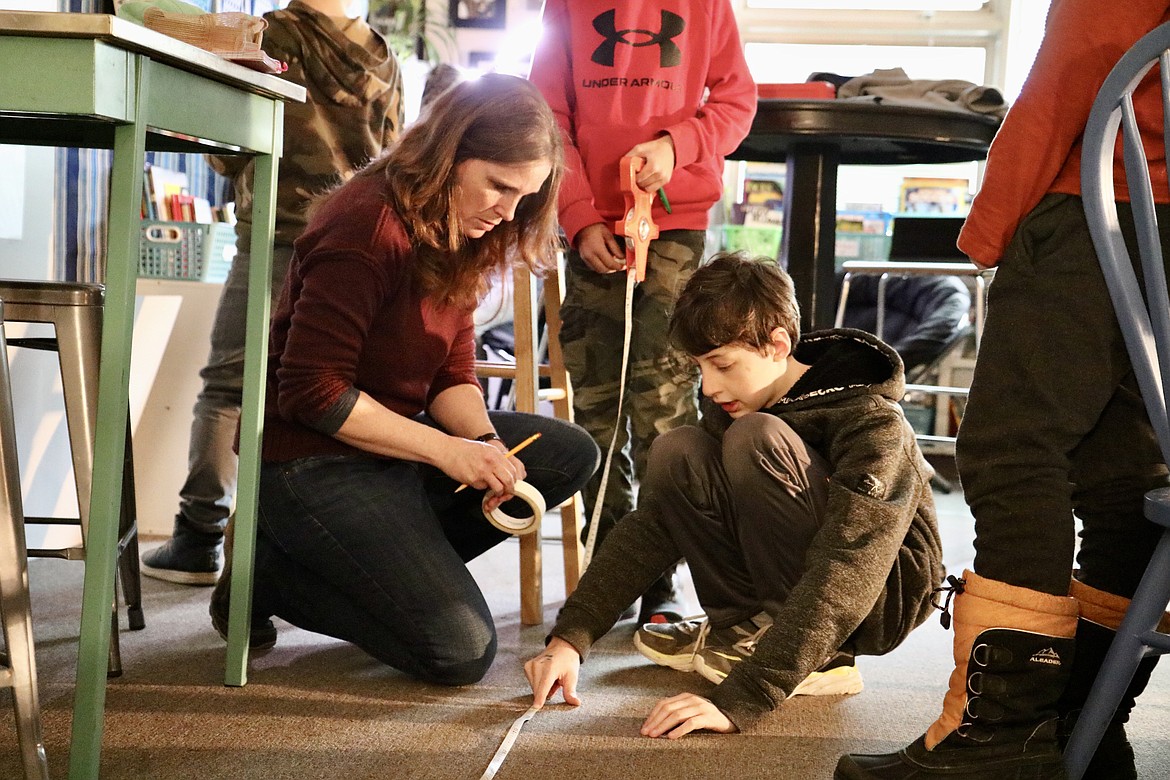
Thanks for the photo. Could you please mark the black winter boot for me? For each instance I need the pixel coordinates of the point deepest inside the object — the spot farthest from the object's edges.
(1101, 615)
(1013, 654)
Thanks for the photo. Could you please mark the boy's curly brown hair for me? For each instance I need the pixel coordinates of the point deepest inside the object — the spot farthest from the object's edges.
(734, 299)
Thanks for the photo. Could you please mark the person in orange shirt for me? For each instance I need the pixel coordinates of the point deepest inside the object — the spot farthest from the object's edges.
(1054, 426)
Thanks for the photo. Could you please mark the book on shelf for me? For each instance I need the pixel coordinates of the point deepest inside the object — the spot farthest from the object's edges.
(164, 183)
(920, 195)
(166, 198)
(182, 207)
(201, 210)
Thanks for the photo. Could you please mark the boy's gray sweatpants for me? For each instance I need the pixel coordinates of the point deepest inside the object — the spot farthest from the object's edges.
(743, 511)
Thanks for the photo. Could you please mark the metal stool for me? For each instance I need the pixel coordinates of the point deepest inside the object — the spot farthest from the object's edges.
(75, 312)
(20, 673)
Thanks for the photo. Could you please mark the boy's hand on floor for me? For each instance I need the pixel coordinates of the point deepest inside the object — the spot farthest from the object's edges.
(600, 250)
(682, 714)
(556, 667)
(659, 167)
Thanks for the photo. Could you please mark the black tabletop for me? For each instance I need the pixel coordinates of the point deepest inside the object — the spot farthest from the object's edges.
(867, 133)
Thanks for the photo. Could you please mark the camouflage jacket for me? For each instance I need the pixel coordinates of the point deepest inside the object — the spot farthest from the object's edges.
(352, 111)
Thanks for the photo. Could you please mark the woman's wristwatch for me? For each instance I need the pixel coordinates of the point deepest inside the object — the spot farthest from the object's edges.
(489, 436)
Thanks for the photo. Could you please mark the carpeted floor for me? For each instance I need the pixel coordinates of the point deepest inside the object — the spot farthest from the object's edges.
(317, 708)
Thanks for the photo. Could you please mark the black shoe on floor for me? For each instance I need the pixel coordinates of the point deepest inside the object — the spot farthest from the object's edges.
(263, 633)
(661, 603)
(188, 558)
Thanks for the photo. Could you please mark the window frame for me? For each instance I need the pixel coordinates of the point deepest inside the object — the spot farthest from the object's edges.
(985, 28)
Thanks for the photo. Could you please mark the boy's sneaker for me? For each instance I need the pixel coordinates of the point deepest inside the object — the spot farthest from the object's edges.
(838, 675)
(728, 646)
(673, 644)
(188, 558)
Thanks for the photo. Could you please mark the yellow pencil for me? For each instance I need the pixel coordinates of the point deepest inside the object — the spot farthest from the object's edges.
(512, 452)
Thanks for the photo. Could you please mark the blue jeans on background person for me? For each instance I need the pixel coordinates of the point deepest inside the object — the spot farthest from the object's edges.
(373, 550)
(193, 555)
(208, 494)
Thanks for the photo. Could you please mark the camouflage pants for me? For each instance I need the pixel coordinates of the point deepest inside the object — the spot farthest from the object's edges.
(661, 383)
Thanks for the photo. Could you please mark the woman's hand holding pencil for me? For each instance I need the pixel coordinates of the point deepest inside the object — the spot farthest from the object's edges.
(510, 453)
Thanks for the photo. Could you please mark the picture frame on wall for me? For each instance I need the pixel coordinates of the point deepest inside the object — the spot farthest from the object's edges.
(478, 13)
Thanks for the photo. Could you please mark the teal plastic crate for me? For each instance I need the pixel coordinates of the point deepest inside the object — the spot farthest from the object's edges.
(861, 246)
(186, 250)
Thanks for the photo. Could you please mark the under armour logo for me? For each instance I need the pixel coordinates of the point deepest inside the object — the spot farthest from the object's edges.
(669, 55)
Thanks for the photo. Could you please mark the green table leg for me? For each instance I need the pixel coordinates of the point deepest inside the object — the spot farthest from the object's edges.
(110, 438)
(252, 411)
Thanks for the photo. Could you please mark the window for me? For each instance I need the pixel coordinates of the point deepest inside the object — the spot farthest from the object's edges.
(782, 63)
(787, 40)
(873, 5)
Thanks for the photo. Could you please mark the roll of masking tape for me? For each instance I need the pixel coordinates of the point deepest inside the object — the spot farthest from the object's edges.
(519, 525)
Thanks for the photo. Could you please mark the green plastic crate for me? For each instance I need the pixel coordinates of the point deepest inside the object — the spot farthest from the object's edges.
(755, 239)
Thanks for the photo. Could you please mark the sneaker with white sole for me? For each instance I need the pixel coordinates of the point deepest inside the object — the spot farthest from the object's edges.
(673, 644)
(838, 676)
(188, 558)
(728, 646)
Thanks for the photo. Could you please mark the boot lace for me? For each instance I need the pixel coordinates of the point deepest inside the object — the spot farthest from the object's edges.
(955, 586)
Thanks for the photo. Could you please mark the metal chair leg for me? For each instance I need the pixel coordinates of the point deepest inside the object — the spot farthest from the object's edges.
(14, 598)
(128, 569)
(1136, 633)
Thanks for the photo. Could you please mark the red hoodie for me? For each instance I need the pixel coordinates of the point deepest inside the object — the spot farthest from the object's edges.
(620, 73)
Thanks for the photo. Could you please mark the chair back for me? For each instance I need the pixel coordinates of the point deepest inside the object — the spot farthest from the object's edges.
(1144, 319)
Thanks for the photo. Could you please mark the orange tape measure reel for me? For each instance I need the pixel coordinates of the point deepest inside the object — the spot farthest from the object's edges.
(638, 227)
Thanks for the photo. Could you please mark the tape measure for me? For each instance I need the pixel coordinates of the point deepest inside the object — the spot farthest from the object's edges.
(509, 739)
(639, 230)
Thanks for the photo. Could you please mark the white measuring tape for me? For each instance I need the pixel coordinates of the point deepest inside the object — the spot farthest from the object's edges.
(509, 738)
(595, 520)
(591, 539)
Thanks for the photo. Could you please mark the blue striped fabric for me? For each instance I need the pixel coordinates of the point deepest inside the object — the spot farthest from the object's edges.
(83, 190)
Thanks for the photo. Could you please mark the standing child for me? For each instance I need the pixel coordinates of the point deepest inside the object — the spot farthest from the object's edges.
(802, 506)
(352, 110)
(1048, 431)
(665, 81)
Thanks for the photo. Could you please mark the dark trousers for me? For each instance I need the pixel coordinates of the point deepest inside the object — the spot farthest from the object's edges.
(742, 511)
(372, 550)
(1054, 424)
(661, 384)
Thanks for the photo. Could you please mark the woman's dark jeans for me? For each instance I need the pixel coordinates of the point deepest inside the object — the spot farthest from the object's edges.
(372, 551)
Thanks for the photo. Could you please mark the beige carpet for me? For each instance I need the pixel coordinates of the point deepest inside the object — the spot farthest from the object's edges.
(317, 708)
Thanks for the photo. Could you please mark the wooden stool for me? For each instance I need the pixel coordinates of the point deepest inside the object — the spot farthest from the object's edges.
(20, 673)
(525, 375)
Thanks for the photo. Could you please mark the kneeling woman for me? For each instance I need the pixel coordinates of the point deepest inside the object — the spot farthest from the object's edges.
(374, 412)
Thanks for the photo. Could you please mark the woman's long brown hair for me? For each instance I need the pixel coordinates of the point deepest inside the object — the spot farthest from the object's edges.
(497, 118)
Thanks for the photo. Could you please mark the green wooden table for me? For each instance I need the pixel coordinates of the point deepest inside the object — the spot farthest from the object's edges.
(92, 80)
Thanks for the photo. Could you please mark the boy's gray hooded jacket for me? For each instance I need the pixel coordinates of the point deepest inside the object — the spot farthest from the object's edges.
(870, 568)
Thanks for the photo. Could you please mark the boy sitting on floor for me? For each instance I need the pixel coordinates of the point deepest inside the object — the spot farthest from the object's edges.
(802, 506)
